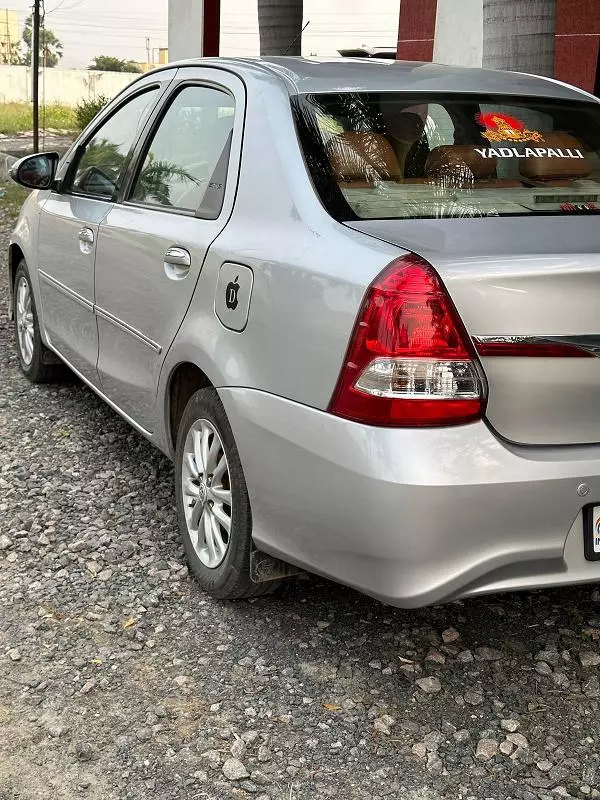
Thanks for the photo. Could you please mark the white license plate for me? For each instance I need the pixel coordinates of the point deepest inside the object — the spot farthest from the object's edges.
(591, 532)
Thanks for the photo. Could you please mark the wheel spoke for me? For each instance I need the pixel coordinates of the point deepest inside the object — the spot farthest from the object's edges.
(212, 457)
(220, 469)
(206, 432)
(220, 545)
(222, 517)
(194, 536)
(221, 495)
(197, 437)
(28, 347)
(196, 515)
(189, 466)
(209, 538)
(190, 489)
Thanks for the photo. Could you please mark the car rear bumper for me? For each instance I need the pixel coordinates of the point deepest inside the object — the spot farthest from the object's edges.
(412, 516)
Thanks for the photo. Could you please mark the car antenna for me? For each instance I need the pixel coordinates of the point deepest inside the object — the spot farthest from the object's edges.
(295, 39)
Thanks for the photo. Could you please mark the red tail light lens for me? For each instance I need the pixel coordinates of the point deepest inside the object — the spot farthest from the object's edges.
(410, 361)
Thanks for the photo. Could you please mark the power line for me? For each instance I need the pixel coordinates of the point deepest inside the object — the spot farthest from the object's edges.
(68, 8)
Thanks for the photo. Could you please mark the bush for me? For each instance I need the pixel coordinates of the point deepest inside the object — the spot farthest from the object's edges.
(87, 110)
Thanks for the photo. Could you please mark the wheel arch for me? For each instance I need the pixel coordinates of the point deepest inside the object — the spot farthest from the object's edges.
(185, 379)
(15, 256)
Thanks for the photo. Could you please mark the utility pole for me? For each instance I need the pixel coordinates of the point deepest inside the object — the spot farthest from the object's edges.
(148, 50)
(35, 69)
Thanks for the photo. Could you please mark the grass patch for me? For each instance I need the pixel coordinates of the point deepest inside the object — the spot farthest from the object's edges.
(18, 117)
(12, 197)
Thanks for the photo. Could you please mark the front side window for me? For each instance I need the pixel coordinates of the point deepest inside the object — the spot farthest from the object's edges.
(395, 155)
(101, 167)
(185, 165)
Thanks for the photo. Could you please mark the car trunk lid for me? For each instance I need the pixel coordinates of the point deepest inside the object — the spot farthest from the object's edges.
(524, 278)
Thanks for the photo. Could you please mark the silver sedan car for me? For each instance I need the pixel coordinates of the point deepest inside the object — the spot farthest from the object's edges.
(355, 302)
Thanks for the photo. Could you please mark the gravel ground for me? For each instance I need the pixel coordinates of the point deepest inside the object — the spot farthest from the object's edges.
(120, 679)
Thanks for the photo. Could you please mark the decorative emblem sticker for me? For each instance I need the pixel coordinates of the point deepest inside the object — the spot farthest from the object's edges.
(504, 128)
(231, 294)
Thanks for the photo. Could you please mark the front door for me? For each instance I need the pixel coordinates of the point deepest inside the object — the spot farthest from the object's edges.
(151, 248)
(68, 232)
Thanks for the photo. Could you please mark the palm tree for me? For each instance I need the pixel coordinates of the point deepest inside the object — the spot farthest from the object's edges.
(519, 35)
(280, 27)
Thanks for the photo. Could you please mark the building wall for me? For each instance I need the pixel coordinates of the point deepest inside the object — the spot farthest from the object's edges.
(416, 32)
(459, 33)
(65, 86)
(451, 32)
(577, 42)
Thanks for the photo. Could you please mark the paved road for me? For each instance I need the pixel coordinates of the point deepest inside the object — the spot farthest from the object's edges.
(120, 679)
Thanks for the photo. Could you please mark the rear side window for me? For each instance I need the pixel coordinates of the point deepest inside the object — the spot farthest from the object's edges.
(395, 155)
(101, 166)
(185, 165)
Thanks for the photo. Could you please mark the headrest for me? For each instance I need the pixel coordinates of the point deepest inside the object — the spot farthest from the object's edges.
(563, 162)
(459, 161)
(362, 156)
(405, 126)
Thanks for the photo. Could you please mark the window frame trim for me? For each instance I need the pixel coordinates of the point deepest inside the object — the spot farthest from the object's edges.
(143, 146)
(66, 183)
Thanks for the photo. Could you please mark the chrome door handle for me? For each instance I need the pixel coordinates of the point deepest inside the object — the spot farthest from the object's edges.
(178, 257)
(86, 235)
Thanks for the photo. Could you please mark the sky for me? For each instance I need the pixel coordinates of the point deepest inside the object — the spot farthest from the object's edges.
(88, 28)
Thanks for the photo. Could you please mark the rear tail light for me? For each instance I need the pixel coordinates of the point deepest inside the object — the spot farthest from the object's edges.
(410, 361)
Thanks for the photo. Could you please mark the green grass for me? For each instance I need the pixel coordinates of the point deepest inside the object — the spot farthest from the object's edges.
(18, 117)
(12, 198)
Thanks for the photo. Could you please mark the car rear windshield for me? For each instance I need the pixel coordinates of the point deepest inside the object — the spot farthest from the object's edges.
(396, 155)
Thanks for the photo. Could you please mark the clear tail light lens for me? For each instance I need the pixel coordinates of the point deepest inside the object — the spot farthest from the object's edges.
(410, 361)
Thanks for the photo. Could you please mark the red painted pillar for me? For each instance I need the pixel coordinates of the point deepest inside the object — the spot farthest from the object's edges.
(416, 30)
(212, 27)
(577, 42)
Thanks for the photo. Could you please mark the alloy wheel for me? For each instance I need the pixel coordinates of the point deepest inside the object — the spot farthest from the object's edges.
(24, 320)
(206, 489)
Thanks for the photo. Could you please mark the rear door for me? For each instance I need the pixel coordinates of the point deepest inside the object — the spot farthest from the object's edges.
(68, 230)
(151, 247)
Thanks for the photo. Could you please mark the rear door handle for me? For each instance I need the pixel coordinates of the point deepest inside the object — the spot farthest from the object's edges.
(178, 257)
(177, 263)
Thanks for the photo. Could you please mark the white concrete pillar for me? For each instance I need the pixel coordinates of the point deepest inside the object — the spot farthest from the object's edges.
(459, 32)
(186, 29)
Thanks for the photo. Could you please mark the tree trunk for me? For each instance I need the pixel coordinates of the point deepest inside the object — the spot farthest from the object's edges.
(280, 27)
(519, 35)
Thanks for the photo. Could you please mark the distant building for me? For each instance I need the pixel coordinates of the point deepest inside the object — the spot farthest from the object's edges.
(163, 58)
(9, 34)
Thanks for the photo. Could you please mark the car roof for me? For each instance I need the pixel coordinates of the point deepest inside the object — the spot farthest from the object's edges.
(306, 76)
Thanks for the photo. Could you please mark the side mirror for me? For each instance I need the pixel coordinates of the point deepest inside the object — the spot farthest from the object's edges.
(35, 172)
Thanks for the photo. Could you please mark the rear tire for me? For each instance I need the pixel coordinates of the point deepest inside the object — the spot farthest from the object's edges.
(213, 508)
(37, 362)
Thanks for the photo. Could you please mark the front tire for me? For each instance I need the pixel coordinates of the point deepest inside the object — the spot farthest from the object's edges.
(213, 508)
(37, 362)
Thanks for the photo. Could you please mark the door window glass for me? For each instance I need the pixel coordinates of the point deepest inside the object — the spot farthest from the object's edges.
(101, 167)
(185, 166)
